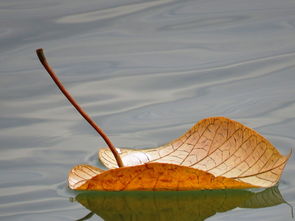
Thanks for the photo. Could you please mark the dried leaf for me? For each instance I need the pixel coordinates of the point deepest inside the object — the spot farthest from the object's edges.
(172, 206)
(149, 177)
(218, 145)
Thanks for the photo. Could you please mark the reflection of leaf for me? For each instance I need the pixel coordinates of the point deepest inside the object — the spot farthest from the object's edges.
(151, 176)
(266, 198)
(172, 206)
(218, 145)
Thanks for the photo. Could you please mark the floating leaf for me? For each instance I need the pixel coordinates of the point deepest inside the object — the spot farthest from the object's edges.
(173, 206)
(218, 145)
(216, 153)
(151, 176)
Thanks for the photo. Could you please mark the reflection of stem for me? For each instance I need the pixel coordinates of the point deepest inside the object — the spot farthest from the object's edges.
(50, 71)
(88, 216)
(292, 209)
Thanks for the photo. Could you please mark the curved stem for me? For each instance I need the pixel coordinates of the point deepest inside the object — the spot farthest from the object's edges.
(50, 71)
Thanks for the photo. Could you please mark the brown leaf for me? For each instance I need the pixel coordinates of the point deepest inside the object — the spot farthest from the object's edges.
(218, 145)
(151, 176)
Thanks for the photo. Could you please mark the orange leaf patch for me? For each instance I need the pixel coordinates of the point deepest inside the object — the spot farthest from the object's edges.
(149, 177)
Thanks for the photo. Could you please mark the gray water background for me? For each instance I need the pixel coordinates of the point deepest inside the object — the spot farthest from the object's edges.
(146, 71)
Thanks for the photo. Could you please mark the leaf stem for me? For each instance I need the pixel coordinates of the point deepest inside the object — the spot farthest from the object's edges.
(50, 71)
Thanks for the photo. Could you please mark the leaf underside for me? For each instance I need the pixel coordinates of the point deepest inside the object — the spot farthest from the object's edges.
(149, 177)
(217, 145)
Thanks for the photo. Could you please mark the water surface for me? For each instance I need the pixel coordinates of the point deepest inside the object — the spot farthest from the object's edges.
(146, 71)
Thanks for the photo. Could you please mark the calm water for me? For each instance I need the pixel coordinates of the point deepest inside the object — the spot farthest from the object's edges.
(146, 71)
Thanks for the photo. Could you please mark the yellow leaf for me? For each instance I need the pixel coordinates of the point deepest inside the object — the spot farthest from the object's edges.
(149, 177)
(218, 145)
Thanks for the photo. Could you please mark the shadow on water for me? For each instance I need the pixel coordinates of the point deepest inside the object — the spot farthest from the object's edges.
(173, 206)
